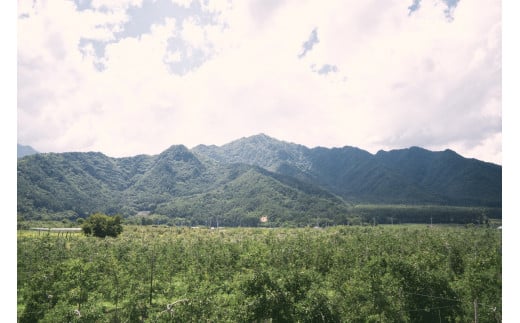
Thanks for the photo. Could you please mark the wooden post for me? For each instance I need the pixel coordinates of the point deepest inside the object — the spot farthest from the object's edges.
(151, 274)
(475, 308)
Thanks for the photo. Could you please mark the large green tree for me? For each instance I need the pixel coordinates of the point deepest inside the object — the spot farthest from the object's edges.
(101, 225)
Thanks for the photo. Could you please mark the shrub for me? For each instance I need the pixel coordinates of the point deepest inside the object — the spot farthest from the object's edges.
(101, 225)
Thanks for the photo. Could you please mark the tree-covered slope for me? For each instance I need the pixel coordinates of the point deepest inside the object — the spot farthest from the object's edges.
(249, 193)
(409, 176)
(174, 183)
(259, 150)
(455, 179)
(77, 182)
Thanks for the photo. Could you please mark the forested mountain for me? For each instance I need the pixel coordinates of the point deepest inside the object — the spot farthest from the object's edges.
(174, 183)
(240, 182)
(408, 176)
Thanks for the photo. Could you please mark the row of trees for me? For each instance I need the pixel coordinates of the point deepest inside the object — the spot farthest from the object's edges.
(208, 209)
(341, 274)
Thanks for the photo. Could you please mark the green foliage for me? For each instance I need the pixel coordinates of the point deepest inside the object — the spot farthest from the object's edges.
(395, 214)
(340, 274)
(101, 225)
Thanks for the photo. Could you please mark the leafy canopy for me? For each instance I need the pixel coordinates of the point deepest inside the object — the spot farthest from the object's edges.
(101, 225)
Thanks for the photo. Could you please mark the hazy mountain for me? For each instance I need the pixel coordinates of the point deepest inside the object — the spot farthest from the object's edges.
(24, 150)
(239, 182)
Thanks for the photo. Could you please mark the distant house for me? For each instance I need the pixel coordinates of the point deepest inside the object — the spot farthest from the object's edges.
(263, 219)
(143, 213)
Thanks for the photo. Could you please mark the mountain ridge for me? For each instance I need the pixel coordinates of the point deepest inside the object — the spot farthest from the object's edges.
(250, 177)
(355, 174)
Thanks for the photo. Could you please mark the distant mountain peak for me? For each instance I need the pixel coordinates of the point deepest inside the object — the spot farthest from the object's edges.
(25, 150)
(261, 135)
(178, 152)
(258, 138)
(176, 148)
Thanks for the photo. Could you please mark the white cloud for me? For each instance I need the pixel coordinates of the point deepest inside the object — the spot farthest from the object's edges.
(173, 57)
(115, 4)
(193, 33)
(394, 79)
(183, 3)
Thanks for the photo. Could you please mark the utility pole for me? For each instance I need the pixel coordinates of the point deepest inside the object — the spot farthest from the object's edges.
(475, 308)
(152, 263)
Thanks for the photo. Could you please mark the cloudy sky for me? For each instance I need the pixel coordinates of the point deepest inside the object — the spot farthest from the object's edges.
(126, 77)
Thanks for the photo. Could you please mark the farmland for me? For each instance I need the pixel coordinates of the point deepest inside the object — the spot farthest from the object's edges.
(384, 273)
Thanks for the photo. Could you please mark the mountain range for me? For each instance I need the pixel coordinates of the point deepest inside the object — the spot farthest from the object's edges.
(247, 179)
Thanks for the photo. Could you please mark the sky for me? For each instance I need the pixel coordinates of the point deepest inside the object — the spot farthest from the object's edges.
(128, 77)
